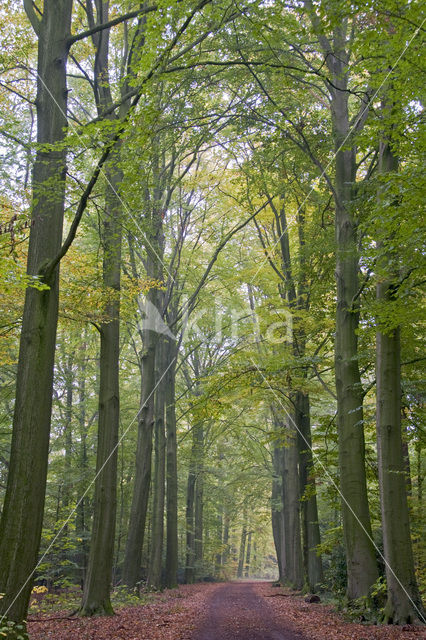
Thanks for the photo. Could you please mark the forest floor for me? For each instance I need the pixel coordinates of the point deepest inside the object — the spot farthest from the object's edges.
(224, 611)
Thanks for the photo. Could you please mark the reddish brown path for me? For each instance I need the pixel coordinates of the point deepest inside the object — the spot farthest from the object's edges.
(236, 612)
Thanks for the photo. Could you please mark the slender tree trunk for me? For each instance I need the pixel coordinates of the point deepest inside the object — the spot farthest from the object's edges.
(171, 468)
(225, 552)
(218, 558)
(360, 556)
(277, 508)
(69, 392)
(292, 533)
(82, 530)
(156, 555)
(403, 603)
(199, 500)
(122, 503)
(406, 456)
(138, 512)
(295, 478)
(248, 556)
(403, 600)
(310, 525)
(242, 554)
(22, 515)
(155, 251)
(96, 595)
(189, 520)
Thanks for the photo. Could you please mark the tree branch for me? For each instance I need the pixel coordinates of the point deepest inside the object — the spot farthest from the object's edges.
(188, 306)
(32, 16)
(109, 24)
(47, 270)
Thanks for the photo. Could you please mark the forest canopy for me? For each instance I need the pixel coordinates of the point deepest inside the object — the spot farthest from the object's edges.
(212, 281)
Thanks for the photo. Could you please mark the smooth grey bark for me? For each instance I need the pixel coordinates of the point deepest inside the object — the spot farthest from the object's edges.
(248, 556)
(296, 294)
(195, 489)
(293, 290)
(69, 392)
(22, 515)
(360, 556)
(82, 516)
(404, 605)
(199, 501)
(171, 467)
(96, 595)
(142, 482)
(225, 540)
(311, 536)
(154, 247)
(157, 524)
(310, 525)
(242, 553)
(361, 563)
(292, 533)
(277, 510)
(189, 519)
(218, 557)
(67, 484)
(97, 586)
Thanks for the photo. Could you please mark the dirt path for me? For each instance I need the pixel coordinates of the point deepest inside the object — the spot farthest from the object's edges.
(230, 611)
(236, 611)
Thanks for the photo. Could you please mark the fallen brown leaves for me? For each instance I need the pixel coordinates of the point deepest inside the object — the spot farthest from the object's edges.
(172, 615)
(178, 613)
(319, 622)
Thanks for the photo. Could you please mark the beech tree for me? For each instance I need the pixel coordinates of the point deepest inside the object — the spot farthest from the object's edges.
(22, 513)
(229, 383)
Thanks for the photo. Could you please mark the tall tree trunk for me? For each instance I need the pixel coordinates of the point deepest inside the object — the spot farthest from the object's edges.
(155, 250)
(189, 519)
(277, 508)
(310, 525)
(81, 525)
(22, 515)
(156, 555)
(286, 463)
(292, 534)
(171, 468)
(69, 389)
(248, 556)
(120, 518)
(295, 293)
(199, 500)
(96, 595)
(403, 600)
(218, 557)
(242, 553)
(360, 557)
(310, 522)
(138, 512)
(225, 552)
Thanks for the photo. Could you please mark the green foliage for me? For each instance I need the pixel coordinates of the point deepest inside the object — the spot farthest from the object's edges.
(234, 117)
(10, 630)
